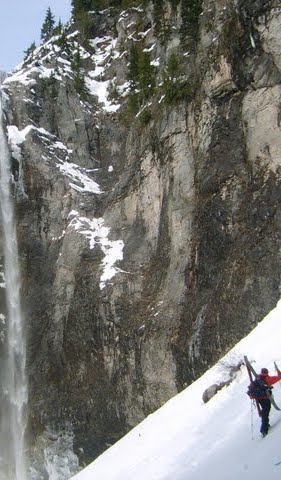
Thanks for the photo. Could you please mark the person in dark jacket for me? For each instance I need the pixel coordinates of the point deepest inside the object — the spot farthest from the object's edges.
(264, 401)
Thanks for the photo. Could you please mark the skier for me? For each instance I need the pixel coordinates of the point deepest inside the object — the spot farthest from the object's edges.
(264, 401)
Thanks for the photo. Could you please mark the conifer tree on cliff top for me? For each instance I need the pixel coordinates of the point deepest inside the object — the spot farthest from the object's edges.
(48, 26)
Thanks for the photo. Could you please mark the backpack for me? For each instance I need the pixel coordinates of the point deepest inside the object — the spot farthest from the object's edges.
(259, 389)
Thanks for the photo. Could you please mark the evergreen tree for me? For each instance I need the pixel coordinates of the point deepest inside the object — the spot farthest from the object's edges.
(190, 12)
(79, 6)
(79, 79)
(146, 75)
(173, 87)
(81, 11)
(29, 50)
(85, 21)
(141, 73)
(48, 26)
(58, 29)
(133, 70)
(63, 43)
(158, 13)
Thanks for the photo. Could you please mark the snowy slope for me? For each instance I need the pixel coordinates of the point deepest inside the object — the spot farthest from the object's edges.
(187, 439)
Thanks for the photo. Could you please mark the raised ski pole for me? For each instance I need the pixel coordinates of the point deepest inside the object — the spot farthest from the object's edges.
(248, 366)
(276, 368)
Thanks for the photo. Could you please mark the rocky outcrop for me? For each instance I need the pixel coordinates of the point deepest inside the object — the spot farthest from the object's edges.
(150, 240)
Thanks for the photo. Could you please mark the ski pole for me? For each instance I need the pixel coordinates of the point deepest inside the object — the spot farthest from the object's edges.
(252, 422)
(277, 370)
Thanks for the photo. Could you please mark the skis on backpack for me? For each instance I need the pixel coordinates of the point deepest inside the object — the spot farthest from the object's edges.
(252, 373)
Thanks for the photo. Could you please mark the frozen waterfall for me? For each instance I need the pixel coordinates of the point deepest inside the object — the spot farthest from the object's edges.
(13, 393)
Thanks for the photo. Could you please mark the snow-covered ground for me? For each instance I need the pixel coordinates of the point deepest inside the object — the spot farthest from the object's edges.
(187, 439)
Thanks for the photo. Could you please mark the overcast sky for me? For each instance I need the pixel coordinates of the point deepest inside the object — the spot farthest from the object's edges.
(20, 25)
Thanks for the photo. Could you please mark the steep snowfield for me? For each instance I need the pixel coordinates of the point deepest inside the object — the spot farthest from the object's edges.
(187, 439)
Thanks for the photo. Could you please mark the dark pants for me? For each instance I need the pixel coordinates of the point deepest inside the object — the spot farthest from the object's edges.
(265, 409)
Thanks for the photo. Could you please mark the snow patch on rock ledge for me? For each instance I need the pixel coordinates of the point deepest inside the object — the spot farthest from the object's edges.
(97, 234)
(58, 152)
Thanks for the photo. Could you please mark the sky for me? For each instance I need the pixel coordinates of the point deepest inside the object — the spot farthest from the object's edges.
(20, 25)
(189, 440)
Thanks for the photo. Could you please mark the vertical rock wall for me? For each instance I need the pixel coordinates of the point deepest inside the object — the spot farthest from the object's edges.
(191, 194)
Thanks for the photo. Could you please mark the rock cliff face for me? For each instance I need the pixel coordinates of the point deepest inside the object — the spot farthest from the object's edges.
(149, 238)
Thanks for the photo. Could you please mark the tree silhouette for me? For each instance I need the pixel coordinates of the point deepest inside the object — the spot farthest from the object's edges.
(48, 26)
